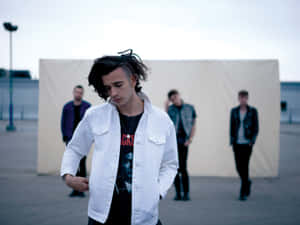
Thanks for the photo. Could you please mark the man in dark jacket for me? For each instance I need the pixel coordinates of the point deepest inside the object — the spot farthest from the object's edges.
(243, 133)
(72, 113)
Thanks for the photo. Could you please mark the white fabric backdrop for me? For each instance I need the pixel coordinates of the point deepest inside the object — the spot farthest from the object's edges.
(210, 85)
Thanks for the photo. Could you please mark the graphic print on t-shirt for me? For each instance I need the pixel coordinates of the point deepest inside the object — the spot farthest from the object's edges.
(128, 128)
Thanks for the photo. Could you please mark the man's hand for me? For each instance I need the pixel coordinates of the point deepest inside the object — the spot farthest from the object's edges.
(77, 183)
(167, 103)
(187, 143)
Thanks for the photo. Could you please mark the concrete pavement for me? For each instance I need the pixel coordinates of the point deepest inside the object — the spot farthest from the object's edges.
(26, 198)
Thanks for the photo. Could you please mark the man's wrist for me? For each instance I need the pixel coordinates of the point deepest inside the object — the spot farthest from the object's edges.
(67, 177)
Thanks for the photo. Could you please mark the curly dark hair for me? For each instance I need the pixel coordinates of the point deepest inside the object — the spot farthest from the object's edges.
(172, 92)
(243, 93)
(129, 61)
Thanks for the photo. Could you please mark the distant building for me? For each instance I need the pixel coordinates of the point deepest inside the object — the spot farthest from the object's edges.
(2, 73)
(290, 102)
(25, 98)
(26, 93)
(15, 73)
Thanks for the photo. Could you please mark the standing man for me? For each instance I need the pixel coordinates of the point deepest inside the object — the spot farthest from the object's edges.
(243, 133)
(183, 116)
(135, 153)
(72, 113)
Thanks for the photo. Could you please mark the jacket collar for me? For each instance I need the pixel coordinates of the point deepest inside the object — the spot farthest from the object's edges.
(247, 113)
(183, 104)
(144, 97)
(248, 108)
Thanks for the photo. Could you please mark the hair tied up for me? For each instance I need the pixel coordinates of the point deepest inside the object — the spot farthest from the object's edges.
(129, 53)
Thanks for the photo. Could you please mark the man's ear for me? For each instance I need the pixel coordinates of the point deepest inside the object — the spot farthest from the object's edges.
(133, 80)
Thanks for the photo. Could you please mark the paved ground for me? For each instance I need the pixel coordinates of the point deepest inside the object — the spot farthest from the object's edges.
(28, 199)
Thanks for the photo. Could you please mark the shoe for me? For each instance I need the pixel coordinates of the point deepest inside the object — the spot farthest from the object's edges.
(81, 194)
(248, 190)
(177, 197)
(73, 193)
(243, 198)
(186, 197)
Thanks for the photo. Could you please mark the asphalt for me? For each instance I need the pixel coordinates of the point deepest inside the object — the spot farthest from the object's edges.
(29, 199)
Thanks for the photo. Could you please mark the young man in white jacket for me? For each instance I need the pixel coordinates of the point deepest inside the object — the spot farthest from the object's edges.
(135, 151)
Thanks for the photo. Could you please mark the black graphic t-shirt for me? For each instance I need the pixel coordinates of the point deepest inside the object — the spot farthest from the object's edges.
(120, 212)
(128, 128)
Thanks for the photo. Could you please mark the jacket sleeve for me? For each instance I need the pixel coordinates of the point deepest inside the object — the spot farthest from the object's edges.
(78, 147)
(255, 126)
(169, 110)
(62, 123)
(231, 130)
(169, 164)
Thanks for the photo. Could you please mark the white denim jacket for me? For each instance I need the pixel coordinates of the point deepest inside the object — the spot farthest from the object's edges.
(155, 159)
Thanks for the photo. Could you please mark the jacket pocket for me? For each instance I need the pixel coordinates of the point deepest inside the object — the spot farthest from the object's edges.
(147, 213)
(156, 145)
(99, 130)
(158, 140)
(100, 137)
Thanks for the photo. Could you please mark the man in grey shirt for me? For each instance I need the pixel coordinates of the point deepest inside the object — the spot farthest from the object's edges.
(243, 133)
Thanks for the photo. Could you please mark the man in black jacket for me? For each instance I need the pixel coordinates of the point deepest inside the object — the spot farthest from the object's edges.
(243, 133)
(72, 114)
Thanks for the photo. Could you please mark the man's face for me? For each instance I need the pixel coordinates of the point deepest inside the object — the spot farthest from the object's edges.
(243, 100)
(78, 94)
(175, 99)
(120, 87)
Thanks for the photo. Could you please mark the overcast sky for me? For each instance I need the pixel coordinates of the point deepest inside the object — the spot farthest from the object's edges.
(216, 29)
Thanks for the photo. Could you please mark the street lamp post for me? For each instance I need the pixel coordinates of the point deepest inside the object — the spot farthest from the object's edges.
(10, 28)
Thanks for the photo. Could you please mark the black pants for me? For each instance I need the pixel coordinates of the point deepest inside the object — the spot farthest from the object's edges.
(94, 222)
(242, 154)
(182, 177)
(81, 172)
(120, 211)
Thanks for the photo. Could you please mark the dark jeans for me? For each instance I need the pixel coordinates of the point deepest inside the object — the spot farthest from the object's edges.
(242, 154)
(81, 172)
(119, 213)
(182, 177)
(94, 222)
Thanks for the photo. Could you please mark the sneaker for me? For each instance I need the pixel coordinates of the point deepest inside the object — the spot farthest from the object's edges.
(177, 197)
(73, 193)
(81, 194)
(243, 198)
(186, 197)
(248, 190)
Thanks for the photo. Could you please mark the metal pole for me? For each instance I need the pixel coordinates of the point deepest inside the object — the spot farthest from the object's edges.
(10, 126)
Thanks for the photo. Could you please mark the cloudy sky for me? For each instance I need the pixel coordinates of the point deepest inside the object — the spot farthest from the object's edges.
(190, 29)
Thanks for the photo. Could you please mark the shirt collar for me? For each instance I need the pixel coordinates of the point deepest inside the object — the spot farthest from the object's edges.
(144, 97)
